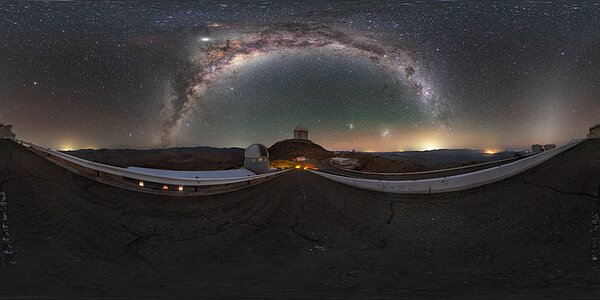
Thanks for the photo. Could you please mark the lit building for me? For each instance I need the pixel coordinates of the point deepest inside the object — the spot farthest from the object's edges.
(594, 132)
(344, 161)
(256, 159)
(301, 132)
(537, 148)
(6, 132)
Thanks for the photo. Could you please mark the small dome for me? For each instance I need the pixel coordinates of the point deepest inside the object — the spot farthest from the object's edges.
(256, 150)
(300, 127)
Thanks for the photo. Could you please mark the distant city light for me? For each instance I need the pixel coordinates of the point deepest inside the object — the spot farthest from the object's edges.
(181, 188)
(205, 39)
(165, 187)
(141, 183)
(430, 147)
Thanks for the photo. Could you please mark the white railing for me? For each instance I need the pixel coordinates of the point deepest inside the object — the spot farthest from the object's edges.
(433, 171)
(450, 183)
(108, 169)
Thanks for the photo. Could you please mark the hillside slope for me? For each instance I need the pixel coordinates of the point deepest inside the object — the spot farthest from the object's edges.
(182, 159)
(290, 148)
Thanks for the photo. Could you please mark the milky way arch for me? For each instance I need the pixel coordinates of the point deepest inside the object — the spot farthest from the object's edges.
(217, 58)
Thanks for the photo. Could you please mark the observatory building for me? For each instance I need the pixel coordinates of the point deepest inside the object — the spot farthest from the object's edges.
(344, 162)
(6, 132)
(301, 133)
(594, 132)
(256, 158)
(537, 148)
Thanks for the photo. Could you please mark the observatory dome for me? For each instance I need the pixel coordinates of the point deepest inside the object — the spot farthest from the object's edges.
(301, 127)
(256, 158)
(301, 132)
(256, 150)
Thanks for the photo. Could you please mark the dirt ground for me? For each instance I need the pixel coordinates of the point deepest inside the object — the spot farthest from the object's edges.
(302, 236)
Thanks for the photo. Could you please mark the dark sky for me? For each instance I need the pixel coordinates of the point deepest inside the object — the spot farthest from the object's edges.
(376, 76)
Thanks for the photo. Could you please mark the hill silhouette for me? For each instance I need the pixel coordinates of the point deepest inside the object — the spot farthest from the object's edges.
(181, 159)
(290, 148)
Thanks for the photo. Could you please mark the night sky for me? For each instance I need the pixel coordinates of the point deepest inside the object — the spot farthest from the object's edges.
(373, 76)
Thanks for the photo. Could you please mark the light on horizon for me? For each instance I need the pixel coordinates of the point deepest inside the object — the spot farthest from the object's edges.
(431, 146)
(67, 148)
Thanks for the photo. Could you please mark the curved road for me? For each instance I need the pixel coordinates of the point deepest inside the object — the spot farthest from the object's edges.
(302, 236)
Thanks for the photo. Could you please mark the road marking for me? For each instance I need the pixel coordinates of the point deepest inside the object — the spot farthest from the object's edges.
(8, 250)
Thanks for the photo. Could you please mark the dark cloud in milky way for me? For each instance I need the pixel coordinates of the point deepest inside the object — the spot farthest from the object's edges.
(215, 58)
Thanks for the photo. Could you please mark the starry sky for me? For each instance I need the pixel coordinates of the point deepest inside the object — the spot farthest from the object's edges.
(370, 76)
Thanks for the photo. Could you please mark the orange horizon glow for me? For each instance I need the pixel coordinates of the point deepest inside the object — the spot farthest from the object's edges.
(399, 143)
(397, 140)
(410, 140)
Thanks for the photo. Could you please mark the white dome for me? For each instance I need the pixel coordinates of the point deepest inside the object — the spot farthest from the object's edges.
(300, 127)
(256, 150)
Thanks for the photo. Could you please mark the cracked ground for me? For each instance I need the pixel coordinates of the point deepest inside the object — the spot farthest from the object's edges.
(300, 235)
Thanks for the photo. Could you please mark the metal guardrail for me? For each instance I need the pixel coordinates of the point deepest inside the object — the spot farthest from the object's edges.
(146, 177)
(433, 171)
(450, 183)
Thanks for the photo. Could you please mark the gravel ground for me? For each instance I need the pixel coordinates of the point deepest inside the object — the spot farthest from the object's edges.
(302, 236)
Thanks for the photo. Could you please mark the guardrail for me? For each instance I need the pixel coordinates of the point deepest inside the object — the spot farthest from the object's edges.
(433, 171)
(123, 172)
(450, 183)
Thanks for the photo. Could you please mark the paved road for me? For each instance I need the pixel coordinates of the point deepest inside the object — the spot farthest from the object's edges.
(326, 166)
(302, 236)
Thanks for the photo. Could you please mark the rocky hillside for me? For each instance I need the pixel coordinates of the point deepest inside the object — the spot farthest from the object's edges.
(182, 159)
(290, 148)
(373, 163)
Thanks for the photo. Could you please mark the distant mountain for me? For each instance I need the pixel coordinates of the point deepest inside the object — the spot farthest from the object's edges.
(209, 158)
(182, 159)
(447, 158)
(288, 149)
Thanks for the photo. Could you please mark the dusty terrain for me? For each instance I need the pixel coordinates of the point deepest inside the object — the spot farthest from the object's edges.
(302, 236)
(449, 158)
(210, 158)
(374, 163)
(291, 148)
(183, 159)
(288, 149)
